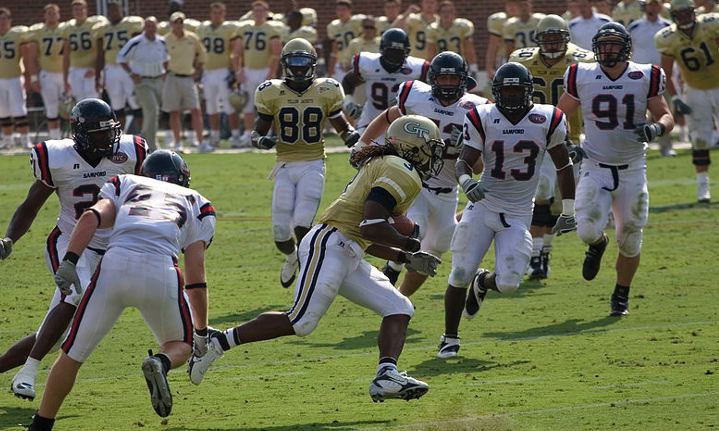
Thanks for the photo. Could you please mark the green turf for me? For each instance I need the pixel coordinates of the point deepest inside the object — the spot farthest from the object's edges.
(547, 357)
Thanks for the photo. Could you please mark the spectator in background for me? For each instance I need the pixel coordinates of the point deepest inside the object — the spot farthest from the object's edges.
(145, 58)
(368, 41)
(496, 55)
(642, 32)
(415, 22)
(340, 32)
(164, 27)
(452, 34)
(295, 29)
(309, 15)
(391, 13)
(187, 55)
(628, 11)
(604, 7)
(45, 60)
(13, 107)
(518, 31)
(80, 52)
(572, 11)
(583, 28)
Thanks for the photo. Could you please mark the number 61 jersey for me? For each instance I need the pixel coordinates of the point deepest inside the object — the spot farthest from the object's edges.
(513, 153)
(299, 118)
(58, 165)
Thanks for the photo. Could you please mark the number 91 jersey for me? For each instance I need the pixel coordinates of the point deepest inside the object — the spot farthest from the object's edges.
(58, 165)
(415, 98)
(299, 118)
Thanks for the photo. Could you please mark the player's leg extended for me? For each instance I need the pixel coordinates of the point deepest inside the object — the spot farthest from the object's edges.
(593, 202)
(283, 201)
(700, 123)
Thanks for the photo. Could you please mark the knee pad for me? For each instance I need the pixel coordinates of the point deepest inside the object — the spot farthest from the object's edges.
(701, 157)
(321, 299)
(542, 216)
(405, 308)
(120, 112)
(6, 122)
(309, 193)
(589, 231)
(629, 240)
(507, 284)
(440, 241)
(21, 121)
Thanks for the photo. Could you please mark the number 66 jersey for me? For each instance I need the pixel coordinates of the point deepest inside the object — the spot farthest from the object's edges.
(58, 165)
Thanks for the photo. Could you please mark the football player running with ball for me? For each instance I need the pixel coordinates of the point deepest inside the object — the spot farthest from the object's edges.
(512, 137)
(615, 94)
(445, 101)
(297, 106)
(331, 257)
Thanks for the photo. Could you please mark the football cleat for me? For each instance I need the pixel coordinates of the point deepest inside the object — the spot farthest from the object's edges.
(448, 347)
(390, 273)
(535, 271)
(393, 384)
(593, 259)
(23, 385)
(620, 307)
(289, 270)
(198, 366)
(703, 192)
(160, 393)
(475, 296)
(545, 263)
(206, 147)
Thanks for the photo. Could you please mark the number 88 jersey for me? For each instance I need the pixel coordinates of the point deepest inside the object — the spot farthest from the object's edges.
(58, 165)
(299, 118)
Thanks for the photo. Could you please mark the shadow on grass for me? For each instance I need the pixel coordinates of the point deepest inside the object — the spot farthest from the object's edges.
(14, 418)
(367, 339)
(222, 321)
(568, 327)
(683, 206)
(309, 426)
(438, 367)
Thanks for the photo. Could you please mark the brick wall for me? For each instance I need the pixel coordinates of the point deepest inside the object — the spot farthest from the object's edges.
(30, 11)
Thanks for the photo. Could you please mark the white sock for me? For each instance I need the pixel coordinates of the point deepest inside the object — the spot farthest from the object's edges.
(293, 255)
(246, 135)
(54, 133)
(703, 177)
(548, 239)
(25, 140)
(394, 265)
(235, 133)
(31, 365)
(7, 141)
(537, 244)
(214, 135)
(383, 368)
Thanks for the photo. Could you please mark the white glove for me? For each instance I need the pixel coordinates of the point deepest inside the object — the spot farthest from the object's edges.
(422, 262)
(66, 276)
(5, 248)
(353, 110)
(565, 224)
(457, 137)
(473, 190)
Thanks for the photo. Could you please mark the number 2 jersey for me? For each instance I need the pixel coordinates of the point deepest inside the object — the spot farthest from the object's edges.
(299, 118)
(613, 109)
(77, 183)
(416, 98)
(381, 86)
(513, 153)
(157, 217)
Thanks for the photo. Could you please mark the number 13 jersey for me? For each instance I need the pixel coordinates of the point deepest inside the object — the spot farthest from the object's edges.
(612, 109)
(513, 153)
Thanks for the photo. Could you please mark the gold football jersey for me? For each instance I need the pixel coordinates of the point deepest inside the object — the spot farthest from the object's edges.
(495, 22)
(391, 173)
(49, 46)
(549, 80)
(115, 36)
(305, 32)
(342, 34)
(521, 32)
(83, 41)
(189, 24)
(452, 38)
(698, 55)
(256, 40)
(309, 16)
(217, 41)
(360, 44)
(298, 119)
(417, 32)
(10, 42)
(383, 24)
(626, 14)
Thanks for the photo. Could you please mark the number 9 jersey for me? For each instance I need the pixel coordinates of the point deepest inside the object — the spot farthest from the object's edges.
(299, 118)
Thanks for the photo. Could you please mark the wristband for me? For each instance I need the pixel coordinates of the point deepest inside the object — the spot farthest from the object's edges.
(568, 206)
(349, 99)
(462, 178)
(662, 129)
(202, 285)
(72, 257)
(97, 214)
(401, 257)
(412, 244)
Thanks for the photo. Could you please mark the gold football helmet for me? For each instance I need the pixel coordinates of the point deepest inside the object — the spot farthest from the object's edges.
(417, 140)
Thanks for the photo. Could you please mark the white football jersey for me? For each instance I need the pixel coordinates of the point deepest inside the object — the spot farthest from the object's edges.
(513, 153)
(381, 86)
(77, 183)
(612, 109)
(157, 217)
(415, 98)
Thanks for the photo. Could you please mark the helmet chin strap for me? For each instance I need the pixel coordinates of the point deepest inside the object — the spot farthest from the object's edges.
(553, 55)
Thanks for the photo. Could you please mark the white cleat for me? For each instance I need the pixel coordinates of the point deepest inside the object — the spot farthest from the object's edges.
(289, 270)
(448, 347)
(198, 366)
(206, 147)
(703, 192)
(393, 384)
(23, 385)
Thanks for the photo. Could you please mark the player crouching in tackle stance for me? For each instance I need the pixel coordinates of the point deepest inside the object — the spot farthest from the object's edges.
(298, 107)
(615, 94)
(331, 257)
(512, 137)
(153, 217)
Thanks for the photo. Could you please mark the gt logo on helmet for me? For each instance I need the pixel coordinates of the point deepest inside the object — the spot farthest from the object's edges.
(415, 129)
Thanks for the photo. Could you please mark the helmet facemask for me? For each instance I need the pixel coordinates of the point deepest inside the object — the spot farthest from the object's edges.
(518, 99)
(426, 158)
(448, 92)
(685, 18)
(393, 56)
(553, 42)
(299, 66)
(610, 50)
(102, 139)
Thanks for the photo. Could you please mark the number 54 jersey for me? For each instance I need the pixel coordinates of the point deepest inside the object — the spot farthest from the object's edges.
(77, 183)
(299, 118)
(613, 109)
(513, 153)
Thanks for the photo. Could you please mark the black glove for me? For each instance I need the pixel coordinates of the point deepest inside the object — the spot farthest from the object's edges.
(262, 142)
(576, 153)
(681, 108)
(647, 132)
(351, 138)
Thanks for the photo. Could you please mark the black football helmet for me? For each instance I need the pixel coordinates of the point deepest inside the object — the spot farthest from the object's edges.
(95, 128)
(394, 47)
(448, 63)
(512, 75)
(612, 33)
(167, 166)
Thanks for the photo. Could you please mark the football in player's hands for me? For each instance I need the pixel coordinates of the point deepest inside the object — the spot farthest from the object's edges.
(402, 224)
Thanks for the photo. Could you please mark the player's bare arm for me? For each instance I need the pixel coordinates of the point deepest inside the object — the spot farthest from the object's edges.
(668, 66)
(350, 82)
(99, 65)
(275, 47)
(468, 159)
(375, 227)
(66, 66)
(660, 110)
(259, 136)
(489, 58)
(565, 173)
(568, 104)
(27, 211)
(379, 125)
(238, 50)
(345, 130)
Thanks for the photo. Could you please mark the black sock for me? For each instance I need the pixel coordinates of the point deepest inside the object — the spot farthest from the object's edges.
(387, 360)
(222, 338)
(166, 363)
(40, 423)
(621, 293)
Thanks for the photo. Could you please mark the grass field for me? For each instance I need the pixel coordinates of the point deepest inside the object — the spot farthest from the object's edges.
(547, 357)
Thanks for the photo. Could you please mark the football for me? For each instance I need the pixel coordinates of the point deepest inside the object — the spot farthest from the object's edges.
(402, 223)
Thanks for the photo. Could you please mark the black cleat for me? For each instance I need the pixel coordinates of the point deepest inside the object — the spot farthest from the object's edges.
(535, 268)
(390, 273)
(475, 296)
(620, 307)
(593, 259)
(545, 264)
